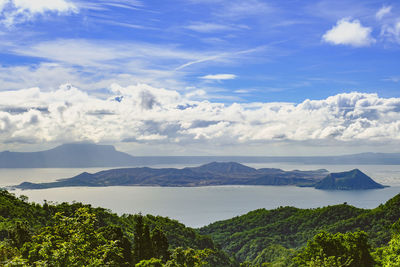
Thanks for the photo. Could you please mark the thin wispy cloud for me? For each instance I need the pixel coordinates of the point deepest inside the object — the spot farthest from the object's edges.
(239, 9)
(206, 27)
(385, 10)
(218, 77)
(220, 57)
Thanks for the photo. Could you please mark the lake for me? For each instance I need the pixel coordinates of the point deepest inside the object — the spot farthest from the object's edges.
(198, 206)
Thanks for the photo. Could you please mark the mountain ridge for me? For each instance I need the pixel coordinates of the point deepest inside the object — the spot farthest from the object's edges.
(74, 155)
(79, 155)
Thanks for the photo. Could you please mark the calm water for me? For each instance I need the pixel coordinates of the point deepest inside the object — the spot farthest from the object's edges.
(197, 206)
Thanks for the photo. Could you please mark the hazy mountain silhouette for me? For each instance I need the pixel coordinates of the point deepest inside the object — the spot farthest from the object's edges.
(67, 156)
(80, 155)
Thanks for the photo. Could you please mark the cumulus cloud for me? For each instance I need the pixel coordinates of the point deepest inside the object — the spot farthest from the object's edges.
(385, 10)
(18, 11)
(219, 77)
(144, 114)
(349, 32)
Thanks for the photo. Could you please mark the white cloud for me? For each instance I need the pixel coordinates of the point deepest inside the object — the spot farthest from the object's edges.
(391, 32)
(347, 32)
(112, 54)
(204, 27)
(220, 57)
(3, 3)
(394, 79)
(383, 12)
(239, 9)
(142, 113)
(18, 11)
(95, 64)
(41, 6)
(219, 77)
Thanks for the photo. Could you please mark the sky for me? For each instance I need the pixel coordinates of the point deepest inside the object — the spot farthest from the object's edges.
(201, 77)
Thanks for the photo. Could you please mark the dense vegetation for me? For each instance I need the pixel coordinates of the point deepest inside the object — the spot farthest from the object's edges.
(80, 235)
(246, 236)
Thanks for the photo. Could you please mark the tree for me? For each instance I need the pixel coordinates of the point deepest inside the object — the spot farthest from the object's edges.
(160, 244)
(19, 234)
(72, 241)
(194, 258)
(185, 258)
(148, 250)
(390, 255)
(349, 249)
(115, 233)
(142, 244)
(150, 263)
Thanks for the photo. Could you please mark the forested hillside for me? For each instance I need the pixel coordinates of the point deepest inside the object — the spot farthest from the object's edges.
(80, 235)
(246, 236)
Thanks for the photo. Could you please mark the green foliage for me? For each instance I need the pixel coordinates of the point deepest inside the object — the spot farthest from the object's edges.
(186, 257)
(247, 236)
(142, 244)
(79, 235)
(153, 262)
(193, 258)
(24, 225)
(390, 255)
(325, 249)
(19, 234)
(160, 244)
(73, 241)
(274, 255)
(178, 235)
(7, 253)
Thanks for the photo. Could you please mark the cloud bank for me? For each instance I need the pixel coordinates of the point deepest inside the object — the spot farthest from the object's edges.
(145, 114)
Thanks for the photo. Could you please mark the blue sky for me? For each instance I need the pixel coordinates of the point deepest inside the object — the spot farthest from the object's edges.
(246, 53)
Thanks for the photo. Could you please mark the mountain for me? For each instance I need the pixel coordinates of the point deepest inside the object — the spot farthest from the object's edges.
(227, 168)
(215, 173)
(79, 155)
(67, 156)
(351, 180)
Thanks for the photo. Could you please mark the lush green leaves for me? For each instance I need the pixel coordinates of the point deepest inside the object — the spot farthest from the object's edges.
(247, 236)
(349, 249)
(79, 235)
(73, 241)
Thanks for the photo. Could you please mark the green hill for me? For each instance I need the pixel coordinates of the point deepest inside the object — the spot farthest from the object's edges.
(259, 236)
(246, 236)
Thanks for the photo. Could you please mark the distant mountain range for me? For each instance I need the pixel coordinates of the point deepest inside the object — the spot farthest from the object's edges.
(215, 173)
(92, 155)
(67, 156)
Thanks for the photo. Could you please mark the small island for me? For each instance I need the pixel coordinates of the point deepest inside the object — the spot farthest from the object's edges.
(213, 174)
(351, 180)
